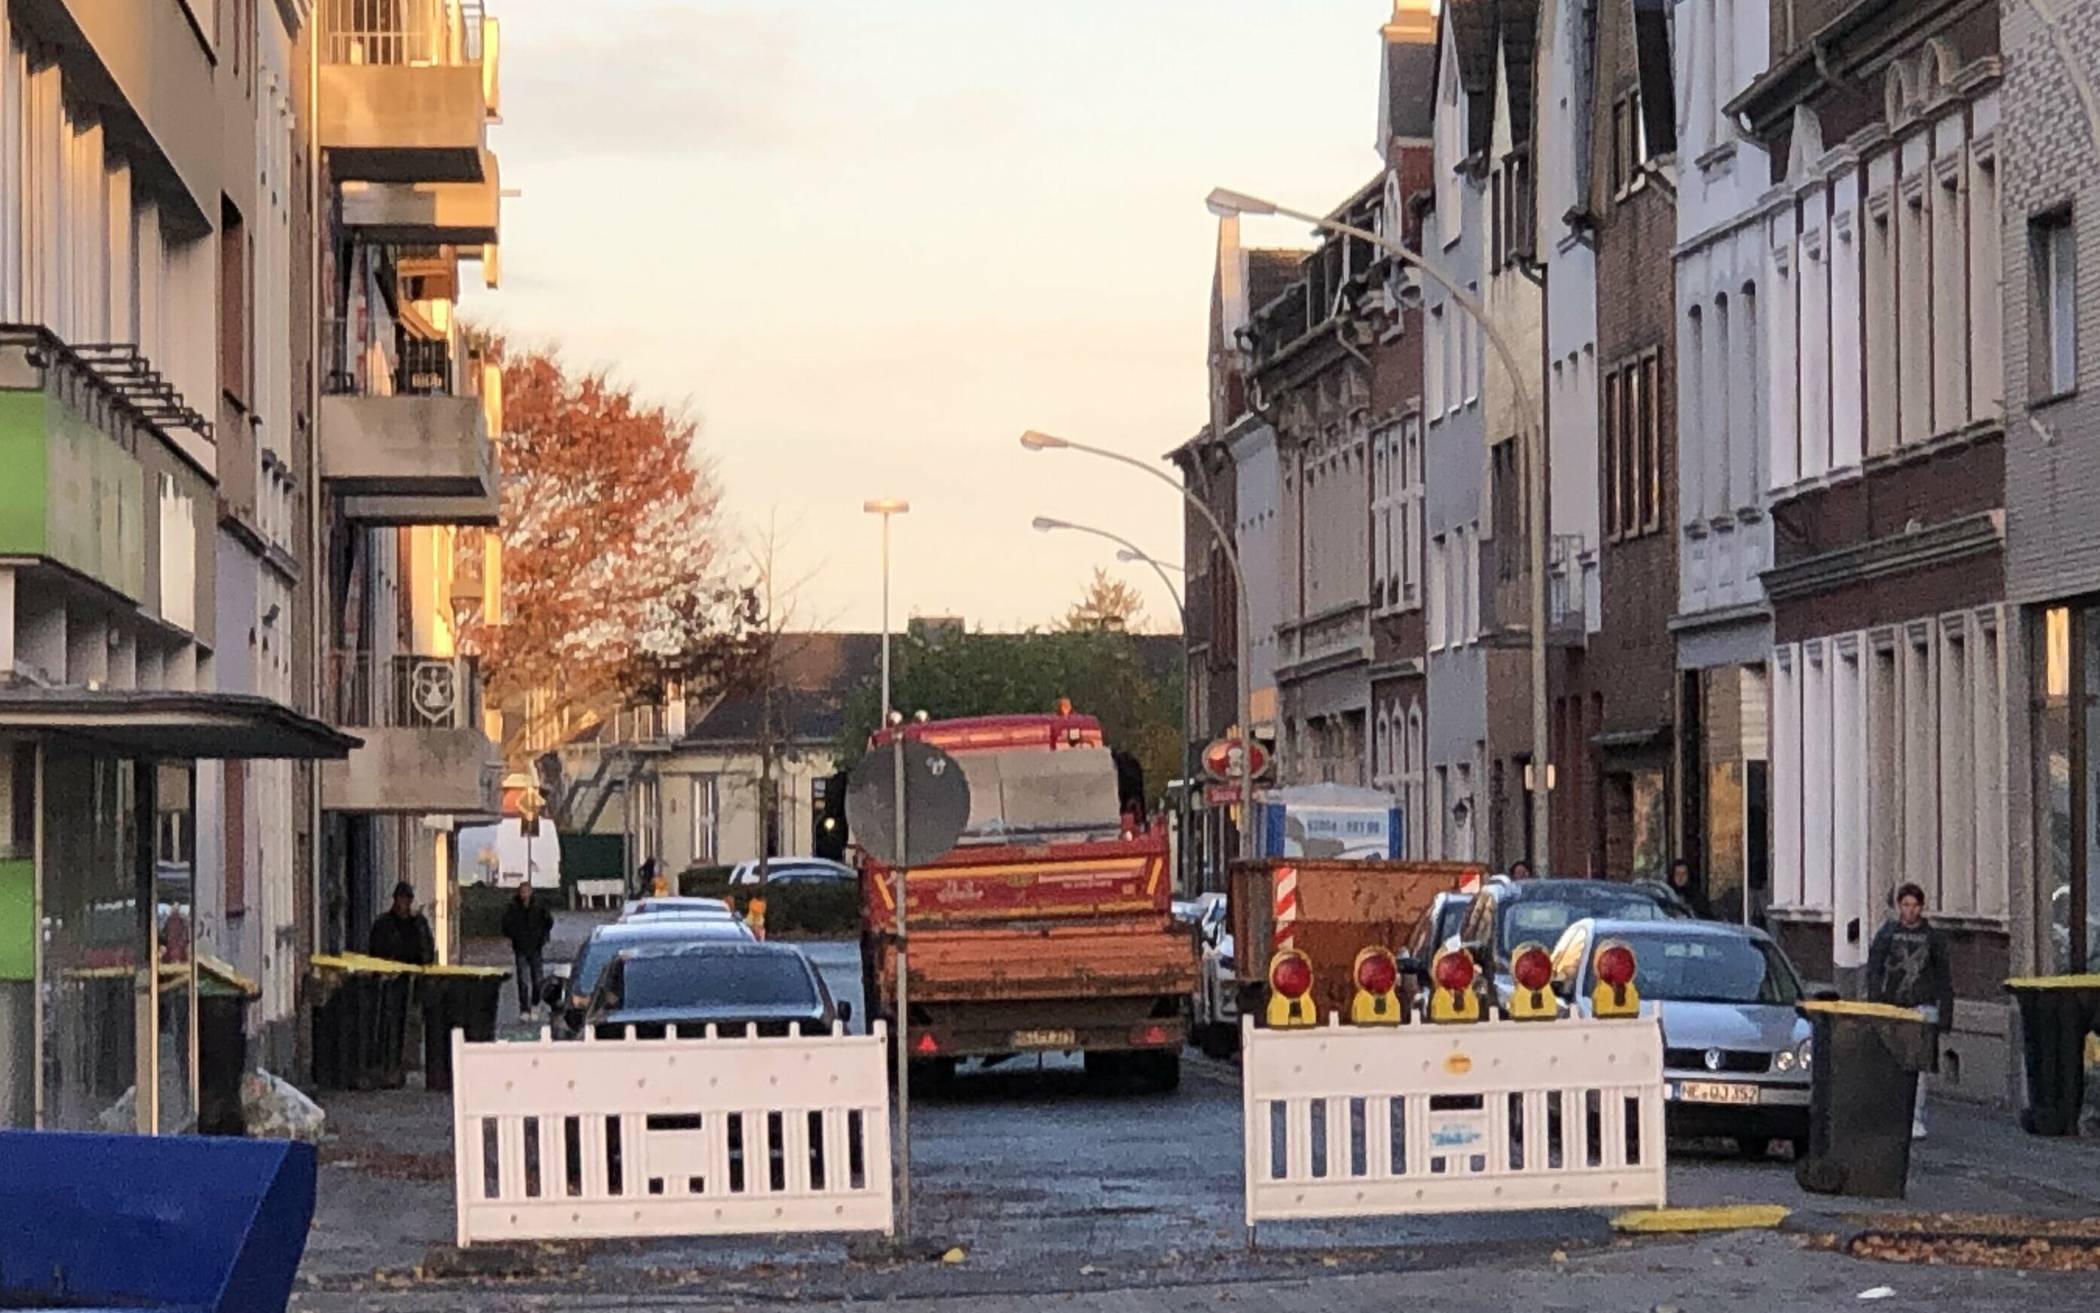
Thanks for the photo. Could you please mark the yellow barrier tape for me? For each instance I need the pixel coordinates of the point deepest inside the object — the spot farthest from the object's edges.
(2054, 982)
(1844, 1008)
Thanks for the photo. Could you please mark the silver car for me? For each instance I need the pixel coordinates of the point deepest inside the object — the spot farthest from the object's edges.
(1736, 1058)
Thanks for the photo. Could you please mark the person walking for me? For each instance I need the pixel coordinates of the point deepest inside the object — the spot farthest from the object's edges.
(528, 925)
(402, 934)
(1684, 886)
(1907, 967)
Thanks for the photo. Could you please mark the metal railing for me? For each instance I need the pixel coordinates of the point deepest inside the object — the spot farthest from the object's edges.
(403, 692)
(402, 33)
(369, 360)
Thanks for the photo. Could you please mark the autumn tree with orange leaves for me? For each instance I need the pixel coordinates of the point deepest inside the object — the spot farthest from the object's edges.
(615, 585)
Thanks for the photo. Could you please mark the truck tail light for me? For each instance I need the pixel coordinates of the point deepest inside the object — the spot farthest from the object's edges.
(926, 1044)
(1152, 1036)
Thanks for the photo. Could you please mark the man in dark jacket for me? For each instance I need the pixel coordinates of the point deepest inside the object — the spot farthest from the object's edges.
(527, 925)
(401, 934)
(1907, 966)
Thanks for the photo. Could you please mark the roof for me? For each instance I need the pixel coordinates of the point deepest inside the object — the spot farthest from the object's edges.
(1676, 926)
(1478, 27)
(817, 674)
(172, 724)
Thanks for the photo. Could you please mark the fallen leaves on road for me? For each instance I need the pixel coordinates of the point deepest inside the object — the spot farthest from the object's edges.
(954, 1256)
(2035, 1253)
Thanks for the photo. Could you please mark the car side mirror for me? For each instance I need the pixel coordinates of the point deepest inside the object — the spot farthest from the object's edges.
(846, 1013)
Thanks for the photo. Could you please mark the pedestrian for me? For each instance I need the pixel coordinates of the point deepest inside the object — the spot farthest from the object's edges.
(528, 925)
(402, 934)
(1686, 888)
(1520, 869)
(1907, 967)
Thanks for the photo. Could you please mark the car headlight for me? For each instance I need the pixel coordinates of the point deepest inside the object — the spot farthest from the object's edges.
(1793, 1059)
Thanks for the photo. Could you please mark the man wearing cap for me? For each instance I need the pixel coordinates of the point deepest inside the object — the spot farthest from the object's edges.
(402, 934)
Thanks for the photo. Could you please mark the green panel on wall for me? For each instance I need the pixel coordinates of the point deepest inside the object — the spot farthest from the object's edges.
(24, 516)
(17, 920)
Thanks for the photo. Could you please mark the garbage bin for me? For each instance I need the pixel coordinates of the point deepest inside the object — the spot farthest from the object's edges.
(223, 996)
(360, 1022)
(462, 998)
(2056, 1014)
(1867, 1060)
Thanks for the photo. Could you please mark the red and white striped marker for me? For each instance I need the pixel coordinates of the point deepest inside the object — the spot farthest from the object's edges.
(1286, 907)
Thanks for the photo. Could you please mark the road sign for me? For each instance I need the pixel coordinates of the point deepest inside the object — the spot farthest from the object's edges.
(936, 803)
(1221, 760)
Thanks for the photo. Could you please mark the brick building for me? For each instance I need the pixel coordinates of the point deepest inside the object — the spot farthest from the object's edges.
(2049, 142)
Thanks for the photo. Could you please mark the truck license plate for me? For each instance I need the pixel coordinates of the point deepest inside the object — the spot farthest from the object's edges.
(1715, 1092)
(1045, 1039)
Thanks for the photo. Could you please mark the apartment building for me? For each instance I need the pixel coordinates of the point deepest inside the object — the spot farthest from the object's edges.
(1894, 656)
(157, 690)
(1723, 400)
(408, 409)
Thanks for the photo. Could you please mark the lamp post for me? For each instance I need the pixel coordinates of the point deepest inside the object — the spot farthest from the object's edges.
(1226, 203)
(1130, 552)
(1035, 441)
(886, 507)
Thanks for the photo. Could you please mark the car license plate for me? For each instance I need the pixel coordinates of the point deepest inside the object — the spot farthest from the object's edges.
(1044, 1039)
(1693, 1091)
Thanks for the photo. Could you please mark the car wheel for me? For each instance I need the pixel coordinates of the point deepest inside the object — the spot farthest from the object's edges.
(1754, 1147)
(1218, 1041)
(1800, 1148)
(1157, 1072)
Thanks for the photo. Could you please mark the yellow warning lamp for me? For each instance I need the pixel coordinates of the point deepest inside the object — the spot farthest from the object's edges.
(1377, 975)
(1290, 990)
(1614, 994)
(1532, 997)
(1451, 996)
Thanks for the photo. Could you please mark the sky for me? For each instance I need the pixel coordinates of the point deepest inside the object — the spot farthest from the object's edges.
(867, 244)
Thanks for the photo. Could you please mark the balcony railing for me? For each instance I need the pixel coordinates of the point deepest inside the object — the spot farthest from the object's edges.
(404, 692)
(365, 360)
(402, 33)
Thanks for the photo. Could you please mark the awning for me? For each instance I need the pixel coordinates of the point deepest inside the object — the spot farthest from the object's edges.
(172, 725)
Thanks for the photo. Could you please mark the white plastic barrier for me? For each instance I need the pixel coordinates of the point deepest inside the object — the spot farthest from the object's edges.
(597, 893)
(1501, 1115)
(592, 1138)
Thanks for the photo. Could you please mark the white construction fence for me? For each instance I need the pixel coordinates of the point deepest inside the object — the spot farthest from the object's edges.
(699, 1135)
(1499, 1115)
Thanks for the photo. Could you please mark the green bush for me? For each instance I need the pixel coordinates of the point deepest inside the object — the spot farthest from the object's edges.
(704, 882)
(801, 909)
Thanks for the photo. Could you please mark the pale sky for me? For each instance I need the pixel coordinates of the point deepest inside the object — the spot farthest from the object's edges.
(870, 243)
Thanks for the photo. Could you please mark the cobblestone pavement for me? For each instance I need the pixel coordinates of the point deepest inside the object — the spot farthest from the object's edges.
(1062, 1197)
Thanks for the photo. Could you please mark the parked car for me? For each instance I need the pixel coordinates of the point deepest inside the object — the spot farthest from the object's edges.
(1215, 1006)
(1439, 925)
(1506, 914)
(568, 990)
(1736, 1055)
(672, 905)
(728, 985)
(794, 870)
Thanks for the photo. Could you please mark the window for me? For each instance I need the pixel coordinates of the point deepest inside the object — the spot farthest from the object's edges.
(1439, 599)
(1629, 145)
(1411, 497)
(1475, 342)
(236, 837)
(2053, 250)
(1633, 447)
(1880, 346)
(1385, 456)
(233, 303)
(1507, 507)
(1434, 349)
(707, 830)
(1510, 212)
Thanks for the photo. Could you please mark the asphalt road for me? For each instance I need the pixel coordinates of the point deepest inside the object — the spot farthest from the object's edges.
(1048, 1184)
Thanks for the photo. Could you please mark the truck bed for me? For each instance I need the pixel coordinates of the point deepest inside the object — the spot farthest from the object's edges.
(1149, 957)
(1040, 882)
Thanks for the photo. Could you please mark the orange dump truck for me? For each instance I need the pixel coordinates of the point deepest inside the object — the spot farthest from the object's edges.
(1330, 910)
(1047, 928)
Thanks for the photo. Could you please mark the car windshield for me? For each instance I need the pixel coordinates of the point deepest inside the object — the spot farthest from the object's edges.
(1711, 969)
(600, 949)
(1449, 918)
(1541, 919)
(716, 981)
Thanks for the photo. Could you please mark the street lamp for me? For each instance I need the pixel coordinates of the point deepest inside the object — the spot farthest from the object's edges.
(1226, 203)
(887, 507)
(1035, 441)
(1130, 552)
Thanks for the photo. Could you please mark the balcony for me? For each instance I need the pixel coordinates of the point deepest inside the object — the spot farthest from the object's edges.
(1569, 596)
(1334, 639)
(424, 752)
(407, 89)
(405, 427)
(428, 213)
